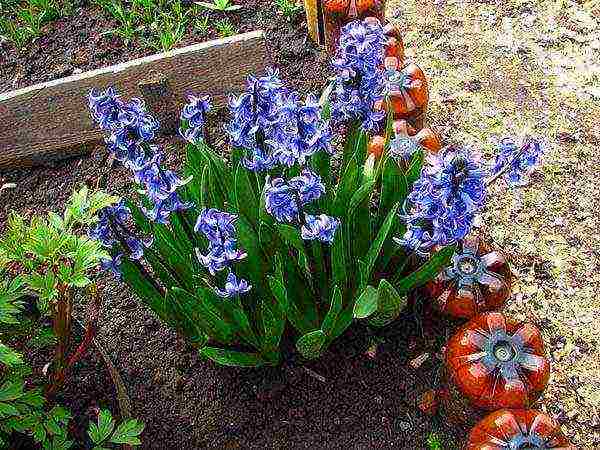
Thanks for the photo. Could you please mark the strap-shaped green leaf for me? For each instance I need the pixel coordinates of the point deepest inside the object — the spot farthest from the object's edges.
(246, 201)
(273, 318)
(232, 358)
(254, 265)
(427, 271)
(144, 288)
(394, 187)
(380, 239)
(311, 344)
(414, 170)
(325, 103)
(237, 316)
(389, 305)
(360, 196)
(206, 200)
(343, 321)
(360, 153)
(338, 258)
(335, 308)
(366, 304)
(350, 146)
(346, 187)
(204, 314)
(186, 314)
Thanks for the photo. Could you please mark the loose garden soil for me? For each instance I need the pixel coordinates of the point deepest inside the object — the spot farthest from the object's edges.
(367, 391)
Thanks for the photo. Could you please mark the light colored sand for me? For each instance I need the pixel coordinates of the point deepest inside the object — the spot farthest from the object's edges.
(538, 68)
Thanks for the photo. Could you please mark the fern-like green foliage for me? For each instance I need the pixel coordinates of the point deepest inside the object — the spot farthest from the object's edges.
(47, 252)
(106, 432)
(37, 258)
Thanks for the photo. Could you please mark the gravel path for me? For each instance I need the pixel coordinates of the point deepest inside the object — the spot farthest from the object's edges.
(497, 68)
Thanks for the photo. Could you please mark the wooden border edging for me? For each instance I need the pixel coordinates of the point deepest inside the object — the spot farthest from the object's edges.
(50, 121)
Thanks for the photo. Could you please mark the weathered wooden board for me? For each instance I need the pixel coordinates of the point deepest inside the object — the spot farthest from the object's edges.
(50, 121)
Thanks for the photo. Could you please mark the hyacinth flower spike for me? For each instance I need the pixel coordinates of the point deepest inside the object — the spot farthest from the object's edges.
(477, 280)
(358, 83)
(498, 363)
(516, 163)
(517, 430)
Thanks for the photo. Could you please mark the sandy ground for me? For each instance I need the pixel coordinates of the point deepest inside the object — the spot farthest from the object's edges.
(502, 68)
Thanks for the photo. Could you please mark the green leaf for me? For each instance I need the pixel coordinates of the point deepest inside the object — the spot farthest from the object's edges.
(343, 321)
(201, 313)
(206, 200)
(414, 171)
(360, 196)
(394, 187)
(361, 147)
(11, 391)
(246, 201)
(427, 271)
(311, 344)
(39, 433)
(6, 409)
(377, 244)
(345, 189)
(128, 432)
(366, 304)
(240, 319)
(142, 286)
(334, 310)
(325, 103)
(338, 258)
(232, 358)
(291, 236)
(279, 292)
(99, 433)
(389, 305)
(274, 324)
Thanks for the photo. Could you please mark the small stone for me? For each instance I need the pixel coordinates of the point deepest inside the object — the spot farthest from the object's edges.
(419, 360)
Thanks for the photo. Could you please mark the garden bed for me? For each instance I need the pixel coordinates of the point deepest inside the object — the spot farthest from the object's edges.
(347, 399)
(355, 396)
(78, 42)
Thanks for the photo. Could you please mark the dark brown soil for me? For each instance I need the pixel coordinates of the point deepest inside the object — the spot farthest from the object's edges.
(87, 389)
(347, 399)
(79, 43)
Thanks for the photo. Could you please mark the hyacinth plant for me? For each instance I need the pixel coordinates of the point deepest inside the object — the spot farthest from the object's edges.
(288, 229)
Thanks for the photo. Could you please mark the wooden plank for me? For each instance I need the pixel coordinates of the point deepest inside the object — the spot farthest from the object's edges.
(51, 120)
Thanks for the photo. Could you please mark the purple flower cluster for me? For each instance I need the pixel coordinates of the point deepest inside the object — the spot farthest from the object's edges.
(359, 81)
(127, 124)
(256, 119)
(160, 186)
(285, 201)
(219, 229)
(114, 228)
(275, 126)
(518, 163)
(321, 228)
(443, 203)
(130, 130)
(192, 118)
(302, 134)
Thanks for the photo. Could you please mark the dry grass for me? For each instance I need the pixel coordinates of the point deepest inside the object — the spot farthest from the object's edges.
(502, 68)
